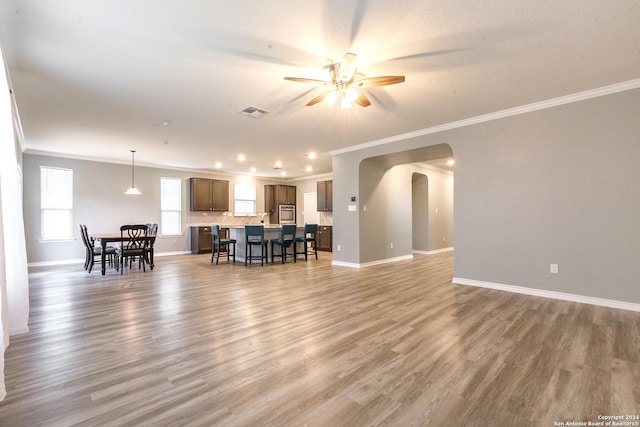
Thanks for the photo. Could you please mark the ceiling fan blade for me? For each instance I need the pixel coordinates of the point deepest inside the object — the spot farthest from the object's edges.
(317, 99)
(379, 81)
(362, 100)
(304, 80)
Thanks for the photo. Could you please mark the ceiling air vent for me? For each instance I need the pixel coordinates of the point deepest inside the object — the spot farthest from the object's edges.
(254, 112)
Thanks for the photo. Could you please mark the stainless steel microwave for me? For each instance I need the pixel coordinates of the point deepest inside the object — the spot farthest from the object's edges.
(287, 214)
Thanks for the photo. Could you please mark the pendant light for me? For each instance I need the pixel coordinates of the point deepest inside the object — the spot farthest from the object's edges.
(133, 189)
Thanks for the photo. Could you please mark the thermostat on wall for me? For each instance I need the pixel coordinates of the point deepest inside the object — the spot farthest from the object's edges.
(353, 198)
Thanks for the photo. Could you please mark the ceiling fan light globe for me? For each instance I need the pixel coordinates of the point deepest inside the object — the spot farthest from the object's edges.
(331, 98)
(345, 103)
(351, 94)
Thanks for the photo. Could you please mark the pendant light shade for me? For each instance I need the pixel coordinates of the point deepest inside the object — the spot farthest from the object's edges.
(133, 189)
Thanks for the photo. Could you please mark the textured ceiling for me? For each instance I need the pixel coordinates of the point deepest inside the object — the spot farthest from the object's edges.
(97, 79)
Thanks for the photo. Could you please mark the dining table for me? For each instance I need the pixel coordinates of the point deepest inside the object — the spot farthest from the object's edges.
(107, 238)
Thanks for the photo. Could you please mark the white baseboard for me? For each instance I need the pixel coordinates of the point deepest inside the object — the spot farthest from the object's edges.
(603, 302)
(436, 251)
(369, 264)
(52, 263)
(161, 254)
(345, 264)
(81, 260)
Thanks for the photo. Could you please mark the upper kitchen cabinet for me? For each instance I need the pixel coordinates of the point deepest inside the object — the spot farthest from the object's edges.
(270, 199)
(325, 196)
(286, 194)
(209, 194)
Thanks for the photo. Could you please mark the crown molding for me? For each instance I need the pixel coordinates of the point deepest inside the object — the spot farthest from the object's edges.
(528, 108)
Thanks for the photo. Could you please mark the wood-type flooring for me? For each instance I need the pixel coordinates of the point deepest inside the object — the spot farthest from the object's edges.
(192, 343)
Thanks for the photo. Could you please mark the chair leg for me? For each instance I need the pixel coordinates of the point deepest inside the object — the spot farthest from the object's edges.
(234, 253)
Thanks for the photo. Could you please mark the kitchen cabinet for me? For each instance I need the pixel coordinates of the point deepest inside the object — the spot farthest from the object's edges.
(276, 195)
(286, 195)
(324, 196)
(201, 239)
(270, 199)
(209, 194)
(325, 238)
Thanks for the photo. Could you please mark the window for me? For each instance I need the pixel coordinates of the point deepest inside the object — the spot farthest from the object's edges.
(170, 206)
(245, 197)
(56, 203)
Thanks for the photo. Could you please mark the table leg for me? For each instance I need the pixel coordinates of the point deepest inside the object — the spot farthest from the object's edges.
(103, 256)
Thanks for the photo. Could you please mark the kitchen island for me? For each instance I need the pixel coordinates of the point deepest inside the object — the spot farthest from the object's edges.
(271, 231)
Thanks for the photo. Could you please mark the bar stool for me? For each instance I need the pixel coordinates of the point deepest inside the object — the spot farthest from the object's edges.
(287, 239)
(254, 236)
(217, 243)
(308, 236)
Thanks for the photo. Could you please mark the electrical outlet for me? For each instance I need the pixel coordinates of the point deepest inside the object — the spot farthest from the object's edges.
(554, 269)
(339, 248)
(391, 244)
(443, 238)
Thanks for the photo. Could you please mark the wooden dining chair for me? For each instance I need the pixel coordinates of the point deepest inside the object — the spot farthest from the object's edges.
(152, 232)
(93, 253)
(133, 244)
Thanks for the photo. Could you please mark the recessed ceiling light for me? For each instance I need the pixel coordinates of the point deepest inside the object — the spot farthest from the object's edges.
(309, 168)
(241, 157)
(253, 170)
(312, 155)
(278, 164)
(451, 162)
(165, 122)
(218, 165)
(283, 173)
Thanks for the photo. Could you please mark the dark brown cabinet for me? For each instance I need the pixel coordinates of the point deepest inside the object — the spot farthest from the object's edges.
(270, 199)
(201, 239)
(276, 195)
(325, 238)
(209, 194)
(325, 196)
(286, 195)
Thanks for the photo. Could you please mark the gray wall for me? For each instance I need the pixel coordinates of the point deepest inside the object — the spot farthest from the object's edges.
(100, 202)
(387, 216)
(432, 208)
(420, 211)
(558, 185)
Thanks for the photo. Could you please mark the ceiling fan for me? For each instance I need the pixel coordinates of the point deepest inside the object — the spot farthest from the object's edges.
(344, 83)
